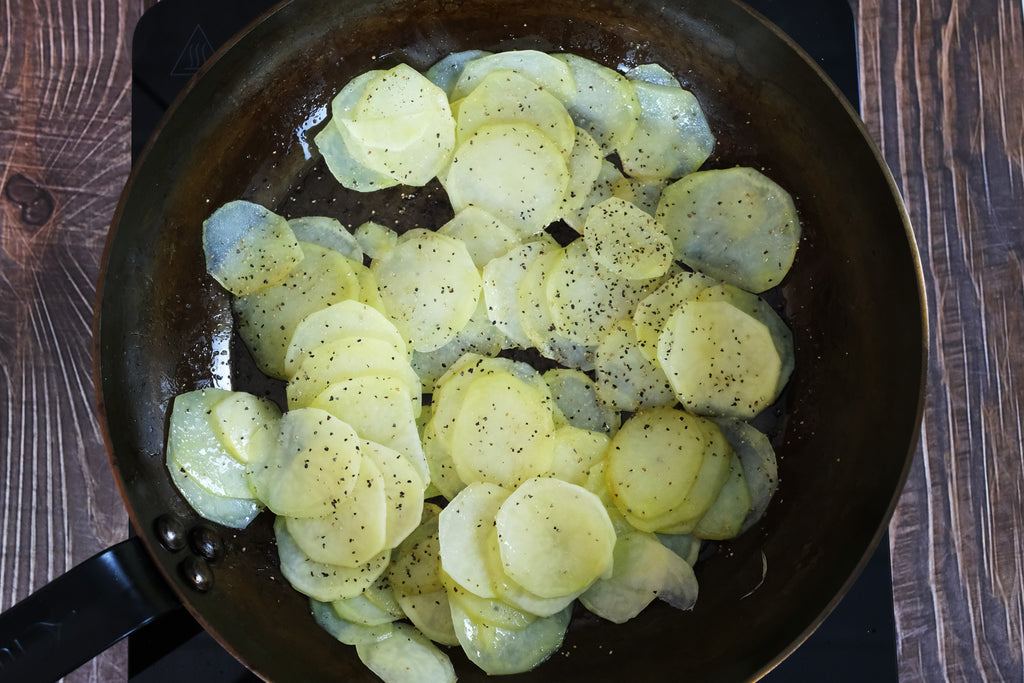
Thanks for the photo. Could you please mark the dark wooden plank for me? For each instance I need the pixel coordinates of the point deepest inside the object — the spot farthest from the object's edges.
(942, 95)
(64, 156)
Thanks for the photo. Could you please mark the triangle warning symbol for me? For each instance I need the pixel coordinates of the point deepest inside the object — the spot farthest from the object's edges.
(196, 51)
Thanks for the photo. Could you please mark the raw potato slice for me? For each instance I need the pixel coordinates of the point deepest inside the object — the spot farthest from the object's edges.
(575, 396)
(431, 615)
(503, 433)
(585, 166)
(626, 240)
(644, 569)
(375, 239)
(760, 469)
(328, 233)
(514, 172)
(626, 380)
(348, 358)
(465, 527)
(478, 336)
(485, 237)
(554, 538)
(643, 195)
(654, 460)
(344, 319)
(324, 582)
(406, 650)
(356, 529)
(501, 278)
(247, 424)
(576, 451)
(443, 477)
(724, 519)
(430, 287)
(653, 73)
(540, 67)
(194, 445)
(511, 592)
(537, 317)
(315, 464)
(248, 247)
(379, 408)
(403, 489)
(504, 96)
(673, 137)
(360, 610)
(267, 319)
(235, 513)
(416, 562)
(719, 360)
(586, 299)
(762, 311)
(340, 161)
(501, 651)
(401, 126)
(343, 630)
(489, 611)
(445, 72)
(653, 312)
(605, 105)
(733, 224)
(602, 187)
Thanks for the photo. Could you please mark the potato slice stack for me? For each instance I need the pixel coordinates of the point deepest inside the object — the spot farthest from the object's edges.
(595, 481)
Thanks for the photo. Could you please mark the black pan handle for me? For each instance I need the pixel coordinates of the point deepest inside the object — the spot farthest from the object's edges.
(82, 613)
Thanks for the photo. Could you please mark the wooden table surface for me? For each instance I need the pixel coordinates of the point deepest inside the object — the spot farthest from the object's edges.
(942, 85)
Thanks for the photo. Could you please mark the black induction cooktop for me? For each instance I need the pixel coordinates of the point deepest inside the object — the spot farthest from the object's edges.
(856, 643)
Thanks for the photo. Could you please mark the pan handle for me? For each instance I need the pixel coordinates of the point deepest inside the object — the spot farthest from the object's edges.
(82, 613)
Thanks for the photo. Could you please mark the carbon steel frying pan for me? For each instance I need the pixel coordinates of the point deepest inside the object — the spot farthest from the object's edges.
(844, 432)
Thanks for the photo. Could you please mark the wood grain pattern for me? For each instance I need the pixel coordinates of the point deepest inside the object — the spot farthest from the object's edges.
(64, 157)
(943, 96)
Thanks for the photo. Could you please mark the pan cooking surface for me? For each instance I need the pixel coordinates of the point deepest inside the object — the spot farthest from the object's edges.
(153, 92)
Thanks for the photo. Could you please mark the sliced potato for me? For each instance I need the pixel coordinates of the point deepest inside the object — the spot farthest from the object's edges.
(501, 278)
(315, 465)
(575, 452)
(540, 67)
(575, 395)
(324, 582)
(601, 188)
(375, 239)
(485, 237)
(430, 287)
(672, 138)
(503, 432)
(513, 171)
(653, 73)
(247, 425)
(267, 319)
(719, 360)
(625, 379)
(235, 513)
(328, 233)
(604, 105)
(479, 336)
(403, 490)
(724, 519)
(505, 96)
(194, 445)
(554, 538)
(643, 194)
(401, 126)
(760, 469)
(348, 318)
(248, 247)
(653, 312)
(626, 240)
(501, 651)
(465, 527)
(446, 71)
(405, 649)
(585, 166)
(733, 224)
(586, 299)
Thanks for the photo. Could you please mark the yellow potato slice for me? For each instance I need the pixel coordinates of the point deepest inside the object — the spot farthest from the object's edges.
(504, 431)
(656, 308)
(501, 278)
(375, 239)
(485, 237)
(314, 465)
(601, 188)
(605, 104)
(576, 451)
(328, 233)
(626, 240)
(446, 71)
(733, 224)
(504, 96)
(724, 519)
(267, 319)
(430, 287)
(540, 67)
(586, 299)
(464, 527)
(719, 360)
(355, 531)
(672, 138)
(585, 166)
(514, 172)
(401, 126)
(554, 538)
(403, 490)
(344, 319)
(247, 425)
(248, 247)
(195, 445)
(642, 194)
(478, 336)
(575, 396)
(626, 380)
